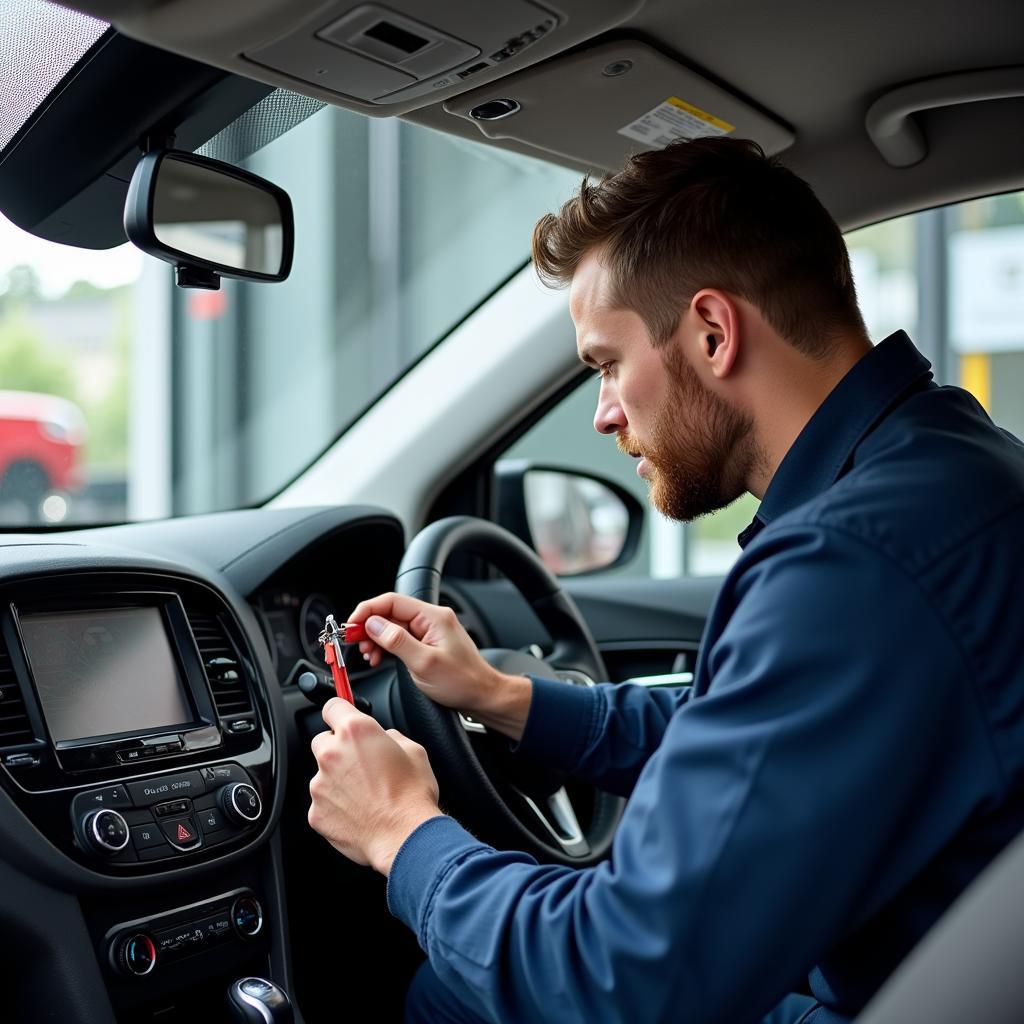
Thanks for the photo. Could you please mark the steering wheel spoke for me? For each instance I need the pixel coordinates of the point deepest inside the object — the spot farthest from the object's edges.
(557, 816)
(471, 725)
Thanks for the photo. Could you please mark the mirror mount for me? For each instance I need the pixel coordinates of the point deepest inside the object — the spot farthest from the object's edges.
(196, 277)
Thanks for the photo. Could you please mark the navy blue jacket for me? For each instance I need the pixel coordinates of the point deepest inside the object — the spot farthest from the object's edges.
(850, 756)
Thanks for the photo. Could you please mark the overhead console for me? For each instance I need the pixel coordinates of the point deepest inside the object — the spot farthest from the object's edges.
(636, 98)
(378, 58)
(132, 733)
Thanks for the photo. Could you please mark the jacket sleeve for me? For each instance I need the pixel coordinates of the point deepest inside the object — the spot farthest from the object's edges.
(839, 747)
(603, 734)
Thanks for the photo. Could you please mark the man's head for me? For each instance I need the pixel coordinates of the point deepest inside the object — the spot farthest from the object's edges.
(690, 269)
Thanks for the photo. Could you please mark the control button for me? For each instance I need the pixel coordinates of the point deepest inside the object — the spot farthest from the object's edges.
(218, 774)
(172, 807)
(166, 787)
(217, 927)
(137, 955)
(201, 739)
(211, 820)
(105, 831)
(145, 836)
(130, 756)
(181, 833)
(241, 725)
(110, 796)
(163, 741)
(183, 939)
(167, 942)
(21, 760)
(247, 916)
(240, 803)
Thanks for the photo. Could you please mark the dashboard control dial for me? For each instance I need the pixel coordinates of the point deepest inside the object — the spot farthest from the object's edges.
(247, 916)
(240, 803)
(136, 954)
(105, 831)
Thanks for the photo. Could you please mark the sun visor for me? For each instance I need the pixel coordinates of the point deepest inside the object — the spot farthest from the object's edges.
(596, 107)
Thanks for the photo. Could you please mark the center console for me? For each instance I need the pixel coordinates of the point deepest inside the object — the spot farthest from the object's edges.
(144, 741)
(136, 737)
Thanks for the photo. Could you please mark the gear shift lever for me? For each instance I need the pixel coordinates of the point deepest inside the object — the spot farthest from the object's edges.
(258, 1001)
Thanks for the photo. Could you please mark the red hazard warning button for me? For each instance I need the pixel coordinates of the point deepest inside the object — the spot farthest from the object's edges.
(182, 833)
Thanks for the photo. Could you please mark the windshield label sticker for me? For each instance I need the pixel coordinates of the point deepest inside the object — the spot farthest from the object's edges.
(672, 120)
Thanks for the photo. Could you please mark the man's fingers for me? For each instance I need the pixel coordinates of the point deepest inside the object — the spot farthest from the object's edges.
(395, 639)
(337, 711)
(397, 607)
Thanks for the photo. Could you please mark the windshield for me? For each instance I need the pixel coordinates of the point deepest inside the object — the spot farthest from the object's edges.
(125, 397)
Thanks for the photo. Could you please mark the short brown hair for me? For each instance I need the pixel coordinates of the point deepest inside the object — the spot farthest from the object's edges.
(711, 213)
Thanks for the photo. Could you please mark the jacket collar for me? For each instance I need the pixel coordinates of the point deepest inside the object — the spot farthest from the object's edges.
(824, 448)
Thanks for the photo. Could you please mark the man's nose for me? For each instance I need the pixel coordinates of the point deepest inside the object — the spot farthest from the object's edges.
(609, 418)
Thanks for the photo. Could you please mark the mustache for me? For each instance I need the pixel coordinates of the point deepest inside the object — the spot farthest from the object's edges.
(627, 445)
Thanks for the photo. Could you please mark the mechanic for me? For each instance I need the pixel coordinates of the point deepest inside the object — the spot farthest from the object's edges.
(851, 753)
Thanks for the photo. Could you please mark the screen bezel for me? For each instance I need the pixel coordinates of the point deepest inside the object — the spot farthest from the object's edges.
(183, 649)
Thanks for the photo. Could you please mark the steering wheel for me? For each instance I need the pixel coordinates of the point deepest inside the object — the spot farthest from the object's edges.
(524, 804)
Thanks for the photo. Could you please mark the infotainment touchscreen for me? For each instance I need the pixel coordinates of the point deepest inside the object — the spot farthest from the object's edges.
(104, 672)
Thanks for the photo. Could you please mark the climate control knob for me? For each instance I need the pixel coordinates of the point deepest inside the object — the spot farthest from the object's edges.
(136, 954)
(105, 831)
(240, 803)
(247, 916)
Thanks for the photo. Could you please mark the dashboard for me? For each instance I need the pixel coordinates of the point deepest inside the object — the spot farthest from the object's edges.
(292, 621)
(147, 700)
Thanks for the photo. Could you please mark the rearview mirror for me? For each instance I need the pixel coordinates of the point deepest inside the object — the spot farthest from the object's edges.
(576, 522)
(209, 219)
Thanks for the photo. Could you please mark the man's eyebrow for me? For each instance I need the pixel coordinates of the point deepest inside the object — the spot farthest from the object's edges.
(591, 352)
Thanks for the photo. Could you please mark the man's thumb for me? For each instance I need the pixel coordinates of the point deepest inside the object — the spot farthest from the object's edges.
(388, 635)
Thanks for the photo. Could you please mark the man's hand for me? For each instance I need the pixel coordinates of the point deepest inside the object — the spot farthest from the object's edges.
(373, 787)
(443, 660)
(437, 650)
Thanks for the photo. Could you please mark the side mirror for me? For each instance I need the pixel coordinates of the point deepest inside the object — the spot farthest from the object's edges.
(209, 219)
(576, 522)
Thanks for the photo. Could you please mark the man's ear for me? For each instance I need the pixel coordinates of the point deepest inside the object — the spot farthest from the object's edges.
(715, 317)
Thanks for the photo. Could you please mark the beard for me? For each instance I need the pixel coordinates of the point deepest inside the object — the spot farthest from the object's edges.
(701, 450)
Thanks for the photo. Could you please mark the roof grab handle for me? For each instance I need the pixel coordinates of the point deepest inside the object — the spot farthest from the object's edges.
(890, 119)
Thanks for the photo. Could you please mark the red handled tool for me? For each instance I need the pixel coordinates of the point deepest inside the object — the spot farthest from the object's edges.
(331, 639)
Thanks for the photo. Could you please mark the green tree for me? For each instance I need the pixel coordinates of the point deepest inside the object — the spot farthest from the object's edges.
(27, 364)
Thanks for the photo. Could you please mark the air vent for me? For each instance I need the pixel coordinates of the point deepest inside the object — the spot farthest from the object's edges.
(14, 724)
(221, 662)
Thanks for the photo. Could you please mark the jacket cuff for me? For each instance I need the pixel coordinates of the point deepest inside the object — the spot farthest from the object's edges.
(561, 722)
(429, 852)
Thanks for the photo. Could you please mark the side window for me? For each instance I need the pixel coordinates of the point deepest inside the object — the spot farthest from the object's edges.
(953, 278)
